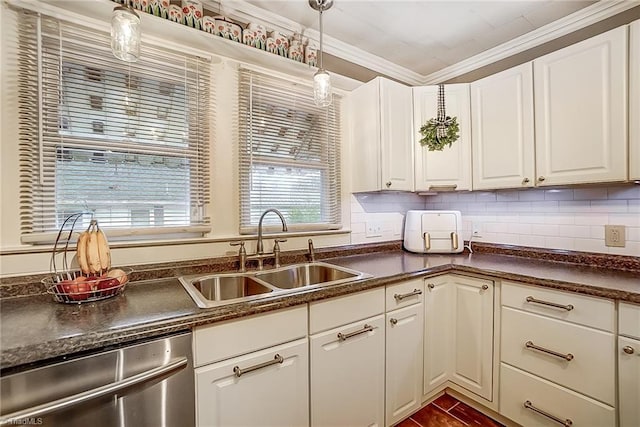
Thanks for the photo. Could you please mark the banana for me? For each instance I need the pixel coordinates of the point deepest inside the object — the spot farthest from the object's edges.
(103, 250)
(81, 252)
(93, 255)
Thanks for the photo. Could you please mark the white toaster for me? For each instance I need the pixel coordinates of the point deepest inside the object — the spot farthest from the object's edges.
(433, 232)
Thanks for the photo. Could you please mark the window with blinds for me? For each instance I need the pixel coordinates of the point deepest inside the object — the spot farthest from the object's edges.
(126, 141)
(289, 154)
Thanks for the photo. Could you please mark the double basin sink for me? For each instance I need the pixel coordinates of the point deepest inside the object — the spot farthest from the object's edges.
(213, 290)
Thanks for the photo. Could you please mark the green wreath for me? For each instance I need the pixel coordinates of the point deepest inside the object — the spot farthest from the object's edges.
(429, 132)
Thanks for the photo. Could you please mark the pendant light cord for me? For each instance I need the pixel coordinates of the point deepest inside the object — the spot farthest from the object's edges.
(321, 4)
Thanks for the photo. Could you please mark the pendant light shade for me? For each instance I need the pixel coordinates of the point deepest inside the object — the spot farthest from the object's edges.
(322, 90)
(125, 34)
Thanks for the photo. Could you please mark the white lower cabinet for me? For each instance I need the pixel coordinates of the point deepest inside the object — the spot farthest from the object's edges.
(532, 401)
(629, 381)
(265, 388)
(458, 341)
(347, 374)
(404, 362)
(629, 365)
(438, 340)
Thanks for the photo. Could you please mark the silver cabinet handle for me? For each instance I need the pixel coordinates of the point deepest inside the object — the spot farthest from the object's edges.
(541, 178)
(566, 422)
(567, 307)
(365, 329)
(427, 241)
(431, 286)
(485, 287)
(568, 357)
(443, 187)
(628, 349)
(95, 393)
(388, 184)
(400, 297)
(525, 180)
(393, 321)
(239, 372)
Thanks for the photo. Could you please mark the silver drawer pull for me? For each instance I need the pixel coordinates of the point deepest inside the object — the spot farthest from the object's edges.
(431, 286)
(566, 422)
(365, 329)
(568, 357)
(628, 349)
(393, 321)
(567, 307)
(239, 372)
(400, 297)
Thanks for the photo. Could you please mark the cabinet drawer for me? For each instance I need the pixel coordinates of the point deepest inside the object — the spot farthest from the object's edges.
(404, 294)
(518, 387)
(584, 310)
(233, 338)
(629, 320)
(338, 311)
(591, 369)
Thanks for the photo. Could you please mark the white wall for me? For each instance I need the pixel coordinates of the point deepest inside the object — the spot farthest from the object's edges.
(561, 218)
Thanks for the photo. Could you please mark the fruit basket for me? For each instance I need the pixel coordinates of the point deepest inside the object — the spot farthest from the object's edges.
(95, 279)
(74, 287)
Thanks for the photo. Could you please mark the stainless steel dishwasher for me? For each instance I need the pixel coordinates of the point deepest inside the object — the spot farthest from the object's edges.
(147, 384)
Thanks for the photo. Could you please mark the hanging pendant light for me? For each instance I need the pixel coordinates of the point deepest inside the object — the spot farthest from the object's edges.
(322, 91)
(125, 33)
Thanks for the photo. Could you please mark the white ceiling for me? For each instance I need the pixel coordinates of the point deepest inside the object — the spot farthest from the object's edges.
(425, 36)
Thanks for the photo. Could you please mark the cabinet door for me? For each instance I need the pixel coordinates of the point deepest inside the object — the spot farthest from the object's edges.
(473, 335)
(629, 381)
(275, 394)
(404, 362)
(451, 166)
(347, 375)
(502, 129)
(397, 142)
(438, 337)
(580, 110)
(634, 101)
(364, 103)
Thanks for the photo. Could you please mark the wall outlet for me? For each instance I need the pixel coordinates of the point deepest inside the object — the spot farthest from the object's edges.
(614, 235)
(373, 229)
(476, 229)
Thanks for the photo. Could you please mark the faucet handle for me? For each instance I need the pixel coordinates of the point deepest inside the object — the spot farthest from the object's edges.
(312, 254)
(238, 243)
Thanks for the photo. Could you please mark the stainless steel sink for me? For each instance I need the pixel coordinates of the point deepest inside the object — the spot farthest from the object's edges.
(219, 289)
(316, 273)
(213, 290)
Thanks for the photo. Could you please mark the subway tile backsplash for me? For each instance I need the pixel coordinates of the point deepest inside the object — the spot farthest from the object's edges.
(563, 218)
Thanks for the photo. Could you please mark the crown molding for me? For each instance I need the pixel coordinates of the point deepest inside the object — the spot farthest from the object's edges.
(246, 12)
(554, 30)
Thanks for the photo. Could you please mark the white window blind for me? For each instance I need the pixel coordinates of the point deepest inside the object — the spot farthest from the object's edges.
(289, 154)
(127, 141)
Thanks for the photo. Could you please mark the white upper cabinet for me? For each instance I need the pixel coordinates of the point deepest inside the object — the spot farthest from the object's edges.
(382, 142)
(634, 101)
(502, 129)
(450, 167)
(580, 111)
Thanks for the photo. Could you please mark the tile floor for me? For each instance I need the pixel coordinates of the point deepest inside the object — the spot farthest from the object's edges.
(447, 411)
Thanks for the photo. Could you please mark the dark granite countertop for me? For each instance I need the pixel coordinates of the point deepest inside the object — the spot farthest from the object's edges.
(36, 329)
